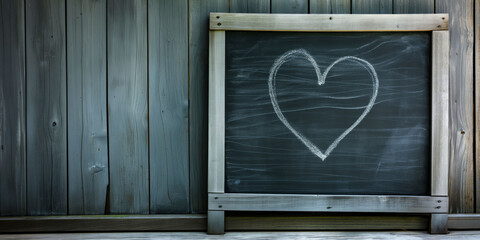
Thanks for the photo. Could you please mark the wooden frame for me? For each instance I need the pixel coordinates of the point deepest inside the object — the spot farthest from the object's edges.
(436, 204)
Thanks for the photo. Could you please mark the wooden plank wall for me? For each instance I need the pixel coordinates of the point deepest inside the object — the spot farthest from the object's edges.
(372, 6)
(330, 6)
(12, 109)
(127, 88)
(477, 104)
(168, 106)
(103, 103)
(46, 90)
(87, 106)
(461, 182)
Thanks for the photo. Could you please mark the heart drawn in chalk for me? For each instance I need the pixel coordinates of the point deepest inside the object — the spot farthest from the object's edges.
(301, 53)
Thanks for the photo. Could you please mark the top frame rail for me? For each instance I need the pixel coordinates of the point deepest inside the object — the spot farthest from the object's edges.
(328, 22)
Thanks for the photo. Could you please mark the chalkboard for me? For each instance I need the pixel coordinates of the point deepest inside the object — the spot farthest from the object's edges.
(328, 113)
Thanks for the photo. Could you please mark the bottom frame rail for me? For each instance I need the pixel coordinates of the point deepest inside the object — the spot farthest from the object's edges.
(327, 203)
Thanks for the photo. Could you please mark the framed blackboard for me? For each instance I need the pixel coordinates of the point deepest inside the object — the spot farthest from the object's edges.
(364, 130)
(329, 113)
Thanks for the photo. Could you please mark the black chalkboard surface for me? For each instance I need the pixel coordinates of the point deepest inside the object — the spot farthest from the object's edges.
(361, 128)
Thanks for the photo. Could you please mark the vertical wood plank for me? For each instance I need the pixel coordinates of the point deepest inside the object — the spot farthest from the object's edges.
(128, 106)
(216, 113)
(439, 224)
(461, 186)
(168, 105)
(413, 6)
(477, 105)
(440, 63)
(12, 108)
(46, 108)
(372, 6)
(216, 222)
(199, 11)
(289, 6)
(258, 6)
(250, 6)
(87, 106)
(330, 6)
(238, 6)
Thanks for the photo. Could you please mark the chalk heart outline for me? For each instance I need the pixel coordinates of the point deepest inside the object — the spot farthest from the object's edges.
(302, 53)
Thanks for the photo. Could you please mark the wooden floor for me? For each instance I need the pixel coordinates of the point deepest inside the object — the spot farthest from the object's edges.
(251, 235)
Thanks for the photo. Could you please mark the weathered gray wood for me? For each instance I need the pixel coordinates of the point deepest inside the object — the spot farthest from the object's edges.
(216, 113)
(240, 6)
(289, 6)
(282, 221)
(372, 6)
(326, 22)
(258, 6)
(461, 182)
(168, 106)
(463, 221)
(440, 64)
(233, 222)
(439, 223)
(103, 223)
(46, 107)
(127, 106)
(216, 222)
(198, 63)
(414, 6)
(277, 235)
(12, 108)
(330, 6)
(439, 138)
(250, 6)
(326, 203)
(477, 106)
(87, 106)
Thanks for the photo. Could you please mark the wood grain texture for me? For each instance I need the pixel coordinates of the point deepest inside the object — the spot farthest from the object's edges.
(325, 22)
(198, 81)
(168, 106)
(461, 181)
(282, 221)
(439, 133)
(216, 113)
(239, 6)
(477, 106)
(330, 6)
(250, 6)
(234, 221)
(327, 203)
(372, 6)
(128, 106)
(46, 108)
(277, 235)
(463, 221)
(216, 222)
(87, 106)
(12, 108)
(103, 223)
(289, 6)
(439, 224)
(413, 6)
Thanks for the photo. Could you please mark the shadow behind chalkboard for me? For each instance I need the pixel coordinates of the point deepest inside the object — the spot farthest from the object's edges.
(387, 153)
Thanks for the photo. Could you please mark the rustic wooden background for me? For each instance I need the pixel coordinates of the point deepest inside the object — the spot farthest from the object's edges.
(103, 104)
